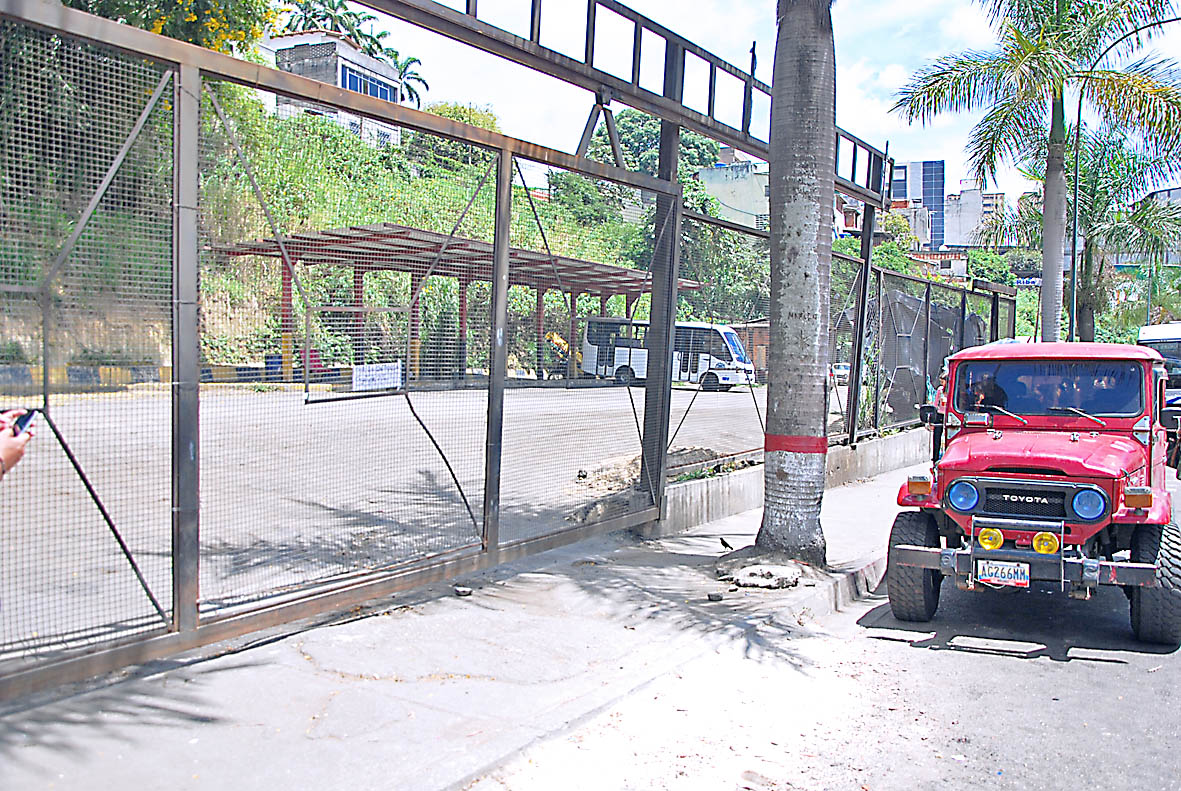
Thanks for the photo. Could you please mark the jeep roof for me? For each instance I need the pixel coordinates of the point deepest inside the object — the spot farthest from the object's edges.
(1066, 351)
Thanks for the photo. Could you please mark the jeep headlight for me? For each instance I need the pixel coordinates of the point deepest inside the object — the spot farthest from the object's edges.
(1089, 504)
(963, 496)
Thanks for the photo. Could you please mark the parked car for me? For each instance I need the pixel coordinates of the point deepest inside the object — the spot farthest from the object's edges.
(1053, 467)
(840, 373)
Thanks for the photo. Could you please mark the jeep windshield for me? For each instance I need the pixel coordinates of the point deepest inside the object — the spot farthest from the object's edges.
(1109, 388)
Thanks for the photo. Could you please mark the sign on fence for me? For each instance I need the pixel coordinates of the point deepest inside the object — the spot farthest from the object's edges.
(379, 376)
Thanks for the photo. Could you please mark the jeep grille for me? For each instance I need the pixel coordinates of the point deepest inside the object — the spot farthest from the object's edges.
(1047, 504)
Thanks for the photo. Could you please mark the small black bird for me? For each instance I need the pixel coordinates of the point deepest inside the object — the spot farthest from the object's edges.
(725, 543)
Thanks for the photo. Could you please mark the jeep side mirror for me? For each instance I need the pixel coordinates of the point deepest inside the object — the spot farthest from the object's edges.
(1170, 417)
(929, 415)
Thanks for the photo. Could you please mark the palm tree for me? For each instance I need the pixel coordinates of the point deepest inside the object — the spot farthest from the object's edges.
(801, 199)
(1113, 217)
(407, 75)
(1048, 48)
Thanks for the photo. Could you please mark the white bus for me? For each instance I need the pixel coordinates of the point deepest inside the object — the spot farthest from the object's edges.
(710, 354)
(1166, 339)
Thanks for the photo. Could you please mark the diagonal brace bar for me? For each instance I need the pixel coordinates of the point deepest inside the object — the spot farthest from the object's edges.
(112, 171)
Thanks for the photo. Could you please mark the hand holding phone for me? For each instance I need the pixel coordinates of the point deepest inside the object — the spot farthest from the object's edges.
(12, 446)
(23, 422)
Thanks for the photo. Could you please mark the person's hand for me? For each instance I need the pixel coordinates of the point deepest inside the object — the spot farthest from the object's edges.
(12, 449)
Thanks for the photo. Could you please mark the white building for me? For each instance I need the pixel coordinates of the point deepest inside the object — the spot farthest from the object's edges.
(964, 213)
(741, 188)
(337, 60)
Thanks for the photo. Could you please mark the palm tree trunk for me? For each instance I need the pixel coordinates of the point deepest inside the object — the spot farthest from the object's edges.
(801, 167)
(1054, 223)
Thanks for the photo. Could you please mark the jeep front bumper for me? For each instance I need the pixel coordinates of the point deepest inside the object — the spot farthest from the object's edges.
(1079, 572)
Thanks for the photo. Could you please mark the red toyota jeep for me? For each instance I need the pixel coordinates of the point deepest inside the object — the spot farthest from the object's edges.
(1053, 465)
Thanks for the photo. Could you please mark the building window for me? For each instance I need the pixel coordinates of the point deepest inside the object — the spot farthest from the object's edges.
(359, 82)
(762, 221)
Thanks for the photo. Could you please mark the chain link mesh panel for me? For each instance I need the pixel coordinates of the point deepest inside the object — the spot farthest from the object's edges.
(85, 315)
(904, 337)
(344, 337)
(719, 395)
(842, 311)
(978, 322)
(1007, 322)
(577, 351)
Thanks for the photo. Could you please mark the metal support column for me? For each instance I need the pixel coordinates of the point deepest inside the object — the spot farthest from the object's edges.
(415, 327)
(498, 358)
(994, 321)
(927, 339)
(359, 317)
(963, 320)
(878, 369)
(186, 372)
(853, 400)
(572, 344)
(663, 314)
(462, 351)
(539, 335)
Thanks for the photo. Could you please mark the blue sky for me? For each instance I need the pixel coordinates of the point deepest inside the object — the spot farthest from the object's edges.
(879, 44)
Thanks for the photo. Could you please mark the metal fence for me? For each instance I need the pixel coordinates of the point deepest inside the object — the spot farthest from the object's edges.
(907, 327)
(298, 347)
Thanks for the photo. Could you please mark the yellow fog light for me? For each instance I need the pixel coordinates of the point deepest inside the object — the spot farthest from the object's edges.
(1138, 497)
(990, 538)
(918, 484)
(1045, 543)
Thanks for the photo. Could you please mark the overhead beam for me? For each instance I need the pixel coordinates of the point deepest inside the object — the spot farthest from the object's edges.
(467, 29)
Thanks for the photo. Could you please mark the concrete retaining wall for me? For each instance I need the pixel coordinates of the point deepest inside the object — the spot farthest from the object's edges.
(691, 503)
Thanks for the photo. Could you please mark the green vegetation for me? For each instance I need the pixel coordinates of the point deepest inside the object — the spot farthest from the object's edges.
(223, 25)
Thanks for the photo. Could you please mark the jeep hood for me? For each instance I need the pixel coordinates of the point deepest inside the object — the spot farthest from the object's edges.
(1096, 456)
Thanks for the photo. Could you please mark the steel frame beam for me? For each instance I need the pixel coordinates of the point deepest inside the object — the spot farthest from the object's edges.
(468, 29)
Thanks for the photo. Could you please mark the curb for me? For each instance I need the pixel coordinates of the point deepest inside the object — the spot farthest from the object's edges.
(844, 586)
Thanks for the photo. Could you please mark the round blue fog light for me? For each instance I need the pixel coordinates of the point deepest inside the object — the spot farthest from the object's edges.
(963, 496)
(1089, 504)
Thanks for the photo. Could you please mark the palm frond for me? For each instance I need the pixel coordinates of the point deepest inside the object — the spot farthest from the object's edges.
(1007, 132)
(954, 83)
(1145, 96)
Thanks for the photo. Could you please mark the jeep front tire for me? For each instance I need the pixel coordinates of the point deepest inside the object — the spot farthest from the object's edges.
(913, 591)
(1156, 611)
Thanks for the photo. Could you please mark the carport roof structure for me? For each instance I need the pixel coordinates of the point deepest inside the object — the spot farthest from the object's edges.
(400, 248)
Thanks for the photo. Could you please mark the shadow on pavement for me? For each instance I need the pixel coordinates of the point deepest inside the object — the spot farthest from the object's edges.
(51, 720)
(1042, 622)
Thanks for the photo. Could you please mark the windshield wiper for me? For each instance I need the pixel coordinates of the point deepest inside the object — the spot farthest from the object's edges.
(1004, 411)
(1079, 412)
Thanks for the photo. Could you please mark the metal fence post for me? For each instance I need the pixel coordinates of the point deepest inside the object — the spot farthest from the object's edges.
(665, 265)
(853, 401)
(879, 368)
(963, 320)
(994, 320)
(498, 356)
(927, 336)
(186, 373)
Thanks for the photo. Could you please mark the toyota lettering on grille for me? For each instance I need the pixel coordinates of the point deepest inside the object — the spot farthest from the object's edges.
(1025, 498)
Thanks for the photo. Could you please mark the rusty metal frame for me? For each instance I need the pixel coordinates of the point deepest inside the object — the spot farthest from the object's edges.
(468, 28)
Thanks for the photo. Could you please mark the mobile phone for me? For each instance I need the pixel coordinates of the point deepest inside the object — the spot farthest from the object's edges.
(22, 423)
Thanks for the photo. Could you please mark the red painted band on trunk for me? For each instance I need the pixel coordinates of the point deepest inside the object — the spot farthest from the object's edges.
(794, 444)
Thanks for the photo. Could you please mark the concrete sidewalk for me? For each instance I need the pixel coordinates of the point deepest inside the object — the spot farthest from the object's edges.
(432, 691)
